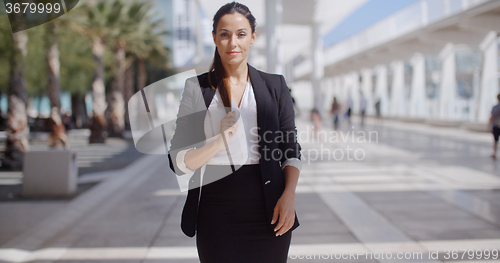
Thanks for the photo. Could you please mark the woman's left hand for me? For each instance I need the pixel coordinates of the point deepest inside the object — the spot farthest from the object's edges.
(285, 208)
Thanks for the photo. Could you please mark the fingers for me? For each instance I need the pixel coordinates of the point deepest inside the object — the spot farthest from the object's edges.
(229, 124)
(286, 222)
(275, 215)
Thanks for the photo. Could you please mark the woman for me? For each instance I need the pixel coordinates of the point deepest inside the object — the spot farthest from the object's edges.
(335, 112)
(316, 120)
(248, 213)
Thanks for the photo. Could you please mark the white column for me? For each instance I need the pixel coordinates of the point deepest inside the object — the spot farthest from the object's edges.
(338, 88)
(447, 90)
(354, 92)
(318, 65)
(397, 94)
(417, 96)
(329, 85)
(366, 88)
(381, 89)
(273, 36)
(489, 77)
(346, 89)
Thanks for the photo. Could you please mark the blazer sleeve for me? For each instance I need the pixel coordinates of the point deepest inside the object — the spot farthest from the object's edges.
(188, 133)
(289, 146)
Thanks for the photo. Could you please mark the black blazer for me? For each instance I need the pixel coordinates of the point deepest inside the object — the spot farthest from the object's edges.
(275, 118)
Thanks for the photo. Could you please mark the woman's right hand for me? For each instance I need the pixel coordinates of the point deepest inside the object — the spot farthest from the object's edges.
(228, 127)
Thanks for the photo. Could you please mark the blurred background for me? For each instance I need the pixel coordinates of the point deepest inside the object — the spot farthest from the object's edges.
(414, 82)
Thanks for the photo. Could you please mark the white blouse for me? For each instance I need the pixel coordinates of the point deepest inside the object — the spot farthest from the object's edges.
(244, 146)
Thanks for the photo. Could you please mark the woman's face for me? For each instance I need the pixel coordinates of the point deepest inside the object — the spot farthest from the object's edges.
(233, 38)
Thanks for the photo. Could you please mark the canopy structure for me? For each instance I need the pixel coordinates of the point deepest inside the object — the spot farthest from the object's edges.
(288, 31)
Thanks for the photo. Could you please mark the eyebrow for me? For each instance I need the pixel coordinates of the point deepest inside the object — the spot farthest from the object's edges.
(223, 29)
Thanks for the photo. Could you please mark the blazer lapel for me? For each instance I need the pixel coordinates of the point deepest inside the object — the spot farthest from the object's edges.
(208, 92)
(261, 93)
(260, 90)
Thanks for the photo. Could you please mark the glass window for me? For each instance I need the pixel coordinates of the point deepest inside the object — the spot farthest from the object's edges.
(408, 79)
(468, 64)
(432, 76)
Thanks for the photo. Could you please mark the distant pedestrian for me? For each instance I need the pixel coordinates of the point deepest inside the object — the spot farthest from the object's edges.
(316, 120)
(335, 111)
(295, 107)
(494, 126)
(349, 109)
(362, 107)
(377, 110)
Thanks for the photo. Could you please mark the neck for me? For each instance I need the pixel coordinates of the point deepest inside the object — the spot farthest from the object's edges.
(238, 72)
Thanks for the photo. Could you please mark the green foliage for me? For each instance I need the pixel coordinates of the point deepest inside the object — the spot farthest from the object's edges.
(36, 62)
(77, 65)
(5, 51)
(128, 20)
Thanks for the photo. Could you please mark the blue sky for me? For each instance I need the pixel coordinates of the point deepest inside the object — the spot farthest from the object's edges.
(365, 16)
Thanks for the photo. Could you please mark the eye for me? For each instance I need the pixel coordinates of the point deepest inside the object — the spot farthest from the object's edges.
(242, 34)
(225, 34)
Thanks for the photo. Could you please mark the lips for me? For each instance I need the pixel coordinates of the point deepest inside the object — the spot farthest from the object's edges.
(233, 53)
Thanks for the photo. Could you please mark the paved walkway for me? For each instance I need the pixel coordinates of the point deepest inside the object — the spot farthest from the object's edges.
(415, 191)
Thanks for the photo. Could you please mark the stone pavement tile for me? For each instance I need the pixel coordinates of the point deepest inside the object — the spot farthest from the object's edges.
(17, 217)
(454, 234)
(171, 233)
(301, 238)
(473, 204)
(492, 195)
(417, 215)
(317, 220)
(323, 227)
(447, 225)
(436, 205)
(406, 196)
(430, 218)
(133, 221)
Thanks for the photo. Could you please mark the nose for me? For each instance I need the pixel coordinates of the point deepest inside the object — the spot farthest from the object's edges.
(232, 41)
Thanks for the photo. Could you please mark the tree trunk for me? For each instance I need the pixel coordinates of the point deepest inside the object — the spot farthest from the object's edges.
(129, 91)
(116, 104)
(98, 125)
(79, 112)
(141, 74)
(141, 83)
(57, 135)
(17, 119)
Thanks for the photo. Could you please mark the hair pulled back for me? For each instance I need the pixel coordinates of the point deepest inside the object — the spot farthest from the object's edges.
(220, 79)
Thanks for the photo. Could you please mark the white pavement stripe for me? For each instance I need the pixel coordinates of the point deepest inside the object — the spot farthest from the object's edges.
(386, 187)
(190, 252)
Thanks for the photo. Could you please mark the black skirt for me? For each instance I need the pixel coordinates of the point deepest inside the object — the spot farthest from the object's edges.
(232, 224)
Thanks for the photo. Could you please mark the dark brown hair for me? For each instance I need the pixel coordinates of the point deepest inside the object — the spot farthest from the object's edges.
(221, 81)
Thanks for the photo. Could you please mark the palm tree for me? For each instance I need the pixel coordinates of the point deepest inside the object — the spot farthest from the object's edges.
(99, 20)
(58, 133)
(145, 42)
(138, 36)
(17, 120)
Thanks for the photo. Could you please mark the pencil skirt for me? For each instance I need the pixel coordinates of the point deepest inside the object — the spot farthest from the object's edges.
(232, 224)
